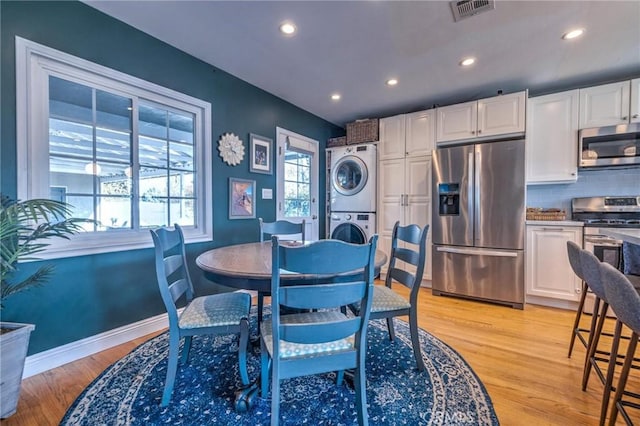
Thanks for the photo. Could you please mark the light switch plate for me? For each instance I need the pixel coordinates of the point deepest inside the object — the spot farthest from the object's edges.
(267, 193)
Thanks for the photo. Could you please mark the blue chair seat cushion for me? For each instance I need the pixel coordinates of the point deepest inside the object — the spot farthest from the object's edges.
(385, 300)
(216, 310)
(293, 350)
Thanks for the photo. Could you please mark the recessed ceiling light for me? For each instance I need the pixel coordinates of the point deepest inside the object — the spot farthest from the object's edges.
(467, 62)
(392, 82)
(287, 28)
(335, 97)
(573, 34)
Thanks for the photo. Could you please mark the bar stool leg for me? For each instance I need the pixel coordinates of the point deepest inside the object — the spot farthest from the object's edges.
(624, 375)
(606, 393)
(593, 344)
(576, 323)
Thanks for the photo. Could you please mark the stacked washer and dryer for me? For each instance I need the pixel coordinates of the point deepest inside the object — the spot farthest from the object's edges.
(353, 193)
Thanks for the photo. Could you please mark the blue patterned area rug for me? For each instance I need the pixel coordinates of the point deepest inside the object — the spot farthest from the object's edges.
(129, 392)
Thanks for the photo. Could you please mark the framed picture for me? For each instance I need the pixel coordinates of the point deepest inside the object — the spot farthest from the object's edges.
(242, 198)
(260, 161)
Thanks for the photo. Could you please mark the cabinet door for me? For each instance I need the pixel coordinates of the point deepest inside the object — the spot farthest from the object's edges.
(418, 202)
(457, 122)
(635, 101)
(548, 272)
(552, 138)
(502, 115)
(420, 133)
(392, 135)
(604, 105)
(390, 200)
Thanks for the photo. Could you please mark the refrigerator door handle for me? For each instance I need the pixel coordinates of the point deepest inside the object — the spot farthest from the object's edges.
(477, 186)
(470, 179)
(477, 251)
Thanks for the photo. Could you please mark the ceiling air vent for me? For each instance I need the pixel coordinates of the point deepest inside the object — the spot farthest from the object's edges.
(466, 8)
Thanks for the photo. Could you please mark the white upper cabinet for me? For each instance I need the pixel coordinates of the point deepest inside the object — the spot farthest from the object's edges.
(499, 115)
(407, 135)
(634, 112)
(420, 133)
(392, 131)
(456, 122)
(502, 114)
(552, 138)
(610, 104)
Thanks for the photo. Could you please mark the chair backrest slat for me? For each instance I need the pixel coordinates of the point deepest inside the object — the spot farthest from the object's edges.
(327, 295)
(172, 263)
(319, 333)
(407, 255)
(281, 227)
(178, 288)
(322, 258)
(402, 276)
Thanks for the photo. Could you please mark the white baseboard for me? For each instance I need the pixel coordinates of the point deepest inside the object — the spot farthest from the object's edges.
(52, 358)
(553, 303)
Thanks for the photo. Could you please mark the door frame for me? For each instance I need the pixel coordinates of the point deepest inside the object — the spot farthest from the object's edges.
(311, 146)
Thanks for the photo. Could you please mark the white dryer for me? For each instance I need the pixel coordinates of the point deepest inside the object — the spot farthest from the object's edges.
(354, 228)
(353, 178)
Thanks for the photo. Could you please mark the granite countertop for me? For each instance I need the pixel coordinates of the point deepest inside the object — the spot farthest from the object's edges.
(554, 223)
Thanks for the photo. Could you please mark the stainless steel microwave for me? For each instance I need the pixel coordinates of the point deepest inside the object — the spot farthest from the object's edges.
(610, 146)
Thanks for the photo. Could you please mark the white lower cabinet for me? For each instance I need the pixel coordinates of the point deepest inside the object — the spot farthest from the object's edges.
(548, 273)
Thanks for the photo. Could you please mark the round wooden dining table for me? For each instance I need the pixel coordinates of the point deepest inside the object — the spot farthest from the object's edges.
(248, 266)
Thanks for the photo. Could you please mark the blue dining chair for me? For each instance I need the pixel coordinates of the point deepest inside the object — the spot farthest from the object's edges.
(408, 245)
(322, 338)
(224, 313)
(279, 227)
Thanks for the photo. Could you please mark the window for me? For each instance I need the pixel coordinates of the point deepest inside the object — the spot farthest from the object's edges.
(297, 184)
(124, 152)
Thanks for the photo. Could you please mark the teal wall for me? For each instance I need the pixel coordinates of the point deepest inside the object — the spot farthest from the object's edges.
(93, 294)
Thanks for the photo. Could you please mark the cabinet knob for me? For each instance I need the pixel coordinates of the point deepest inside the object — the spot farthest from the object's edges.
(578, 290)
(573, 173)
(479, 131)
(624, 118)
(473, 132)
(636, 115)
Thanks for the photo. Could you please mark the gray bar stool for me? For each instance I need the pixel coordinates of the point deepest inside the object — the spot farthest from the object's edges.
(591, 270)
(625, 302)
(573, 251)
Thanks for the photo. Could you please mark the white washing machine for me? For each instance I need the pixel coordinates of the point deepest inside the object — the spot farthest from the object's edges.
(353, 178)
(354, 228)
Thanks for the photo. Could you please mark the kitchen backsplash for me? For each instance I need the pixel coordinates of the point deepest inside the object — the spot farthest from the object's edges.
(613, 182)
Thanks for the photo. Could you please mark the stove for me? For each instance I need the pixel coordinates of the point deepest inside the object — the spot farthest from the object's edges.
(606, 212)
(619, 212)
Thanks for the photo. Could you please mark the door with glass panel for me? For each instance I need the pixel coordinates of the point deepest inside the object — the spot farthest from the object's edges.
(297, 180)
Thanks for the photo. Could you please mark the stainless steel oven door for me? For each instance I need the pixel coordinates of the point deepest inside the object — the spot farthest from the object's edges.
(605, 248)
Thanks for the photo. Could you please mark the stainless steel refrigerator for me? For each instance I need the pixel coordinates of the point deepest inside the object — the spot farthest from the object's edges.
(478, 221)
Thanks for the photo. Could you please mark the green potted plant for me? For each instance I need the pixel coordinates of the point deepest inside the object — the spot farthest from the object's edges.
(24, 228)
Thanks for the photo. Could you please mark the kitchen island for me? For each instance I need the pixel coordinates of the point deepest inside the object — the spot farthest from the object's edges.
(627, 235)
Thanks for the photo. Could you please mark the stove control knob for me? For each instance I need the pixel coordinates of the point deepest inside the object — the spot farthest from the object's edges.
(348, 217)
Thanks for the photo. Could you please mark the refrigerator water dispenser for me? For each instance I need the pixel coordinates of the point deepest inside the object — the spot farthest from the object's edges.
(449, 199)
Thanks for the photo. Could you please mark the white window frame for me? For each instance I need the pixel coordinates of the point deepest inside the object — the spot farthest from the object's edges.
(34, 64)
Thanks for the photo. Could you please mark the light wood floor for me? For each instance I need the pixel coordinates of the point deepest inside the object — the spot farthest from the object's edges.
(520, 356)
